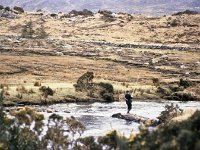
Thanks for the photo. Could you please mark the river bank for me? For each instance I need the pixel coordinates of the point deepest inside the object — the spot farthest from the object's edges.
(97, 117)
(33, 94)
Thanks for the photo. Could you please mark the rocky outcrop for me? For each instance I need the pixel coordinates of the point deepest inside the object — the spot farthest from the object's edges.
(136, 118)
(7, 14)
(100, 90)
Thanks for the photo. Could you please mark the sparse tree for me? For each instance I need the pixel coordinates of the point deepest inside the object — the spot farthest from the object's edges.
(41, 33)
(27, 30)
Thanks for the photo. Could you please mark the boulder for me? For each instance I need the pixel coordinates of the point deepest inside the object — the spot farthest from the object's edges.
(49, 111)
(136, 118)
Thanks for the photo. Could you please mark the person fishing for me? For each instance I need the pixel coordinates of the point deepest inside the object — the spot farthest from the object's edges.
(128, 99)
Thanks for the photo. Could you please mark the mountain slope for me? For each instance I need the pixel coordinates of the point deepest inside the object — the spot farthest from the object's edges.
(151, 7)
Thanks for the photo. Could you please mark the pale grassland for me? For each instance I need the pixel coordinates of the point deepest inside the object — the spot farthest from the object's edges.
(187, 113)
(25, 61)
(123, 30)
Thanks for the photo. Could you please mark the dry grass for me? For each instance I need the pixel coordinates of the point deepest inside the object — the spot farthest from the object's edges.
(154, 29)
(186, 114)
(35, 60)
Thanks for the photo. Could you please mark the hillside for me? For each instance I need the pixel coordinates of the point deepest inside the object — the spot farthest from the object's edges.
(155, 57)
(148, 7)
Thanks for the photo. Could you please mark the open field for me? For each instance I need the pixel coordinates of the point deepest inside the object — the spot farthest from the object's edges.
(128, 52)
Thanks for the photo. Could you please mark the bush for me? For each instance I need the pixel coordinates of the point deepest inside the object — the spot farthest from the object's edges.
(184, 96)
(19, 96)
(53, 15)
(174, 23)
(156, 82)
(89, 143)
(37, 83)
(4, 86)
(164, 91)
(114, 141)
(64, 16)
(31, 91)
(26, 130)
(188, 12)
(1, 7)
(107, 86)
(46, 91)
(7, 9)
(170, 112)
(19, 9)
(107, 15)
(104, 91)
(22, 89)
(175, 135)
(185, 83)
(41, 33)
(105, 12)
(27, 30)
(108, 97)
(85, 13)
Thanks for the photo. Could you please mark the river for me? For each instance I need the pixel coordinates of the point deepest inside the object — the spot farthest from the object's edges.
(97, 116)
